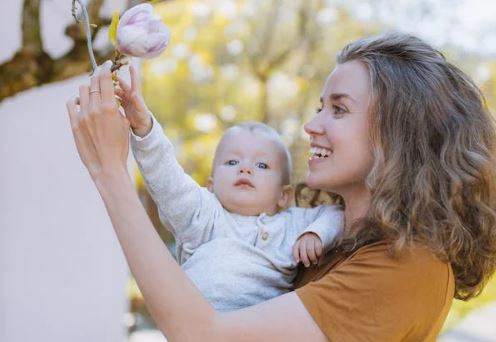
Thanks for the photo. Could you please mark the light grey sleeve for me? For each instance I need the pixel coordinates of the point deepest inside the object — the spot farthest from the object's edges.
(326, 221)
(187, 209)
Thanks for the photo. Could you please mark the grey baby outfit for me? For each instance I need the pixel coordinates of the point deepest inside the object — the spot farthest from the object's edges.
(234, 260)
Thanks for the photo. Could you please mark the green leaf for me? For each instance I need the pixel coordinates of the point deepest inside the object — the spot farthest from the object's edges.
(113, 28)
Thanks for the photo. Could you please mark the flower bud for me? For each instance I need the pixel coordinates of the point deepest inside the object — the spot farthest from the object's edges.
(141, 33)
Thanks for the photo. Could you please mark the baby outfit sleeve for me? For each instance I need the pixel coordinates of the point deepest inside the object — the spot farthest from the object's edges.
(326, 221)
(185, 208)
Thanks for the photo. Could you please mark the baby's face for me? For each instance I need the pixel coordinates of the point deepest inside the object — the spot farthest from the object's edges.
(247, 177)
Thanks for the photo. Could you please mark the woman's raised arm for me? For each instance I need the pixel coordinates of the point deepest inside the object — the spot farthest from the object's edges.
(178, 308)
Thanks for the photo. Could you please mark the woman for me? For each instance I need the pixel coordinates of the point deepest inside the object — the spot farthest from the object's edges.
(412, 152)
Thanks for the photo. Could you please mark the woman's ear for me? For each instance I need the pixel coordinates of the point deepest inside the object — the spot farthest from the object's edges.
(286, 196)
(210, 184)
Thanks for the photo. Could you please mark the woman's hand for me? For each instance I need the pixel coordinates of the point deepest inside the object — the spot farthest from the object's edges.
(100, 131)
(133, 104)
(308, 249)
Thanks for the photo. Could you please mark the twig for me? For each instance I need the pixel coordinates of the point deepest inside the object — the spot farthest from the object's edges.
(87, 29)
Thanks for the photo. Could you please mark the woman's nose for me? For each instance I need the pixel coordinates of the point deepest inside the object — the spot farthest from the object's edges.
(313, 127)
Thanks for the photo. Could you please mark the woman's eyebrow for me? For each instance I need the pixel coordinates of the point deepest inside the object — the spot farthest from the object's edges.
(338, 96)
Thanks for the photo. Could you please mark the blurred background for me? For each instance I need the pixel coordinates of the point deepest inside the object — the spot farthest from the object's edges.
(62, 271)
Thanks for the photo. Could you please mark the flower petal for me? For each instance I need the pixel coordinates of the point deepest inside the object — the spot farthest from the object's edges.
(140, 33)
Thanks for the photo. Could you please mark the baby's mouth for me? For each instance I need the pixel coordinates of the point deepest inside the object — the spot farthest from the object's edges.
(319, 153)
(244, 183)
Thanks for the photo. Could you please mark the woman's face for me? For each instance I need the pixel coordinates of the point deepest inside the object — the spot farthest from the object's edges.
(341, 156)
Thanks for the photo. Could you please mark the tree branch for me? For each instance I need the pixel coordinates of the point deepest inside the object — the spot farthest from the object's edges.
(31, 35)
(31, 66)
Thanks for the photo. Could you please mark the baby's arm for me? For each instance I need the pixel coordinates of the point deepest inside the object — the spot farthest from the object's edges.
(323, 224)
(185, 207)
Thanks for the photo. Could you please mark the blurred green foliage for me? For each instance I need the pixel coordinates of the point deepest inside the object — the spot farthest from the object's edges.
(230, 61)
(236, 60)
(460, 308)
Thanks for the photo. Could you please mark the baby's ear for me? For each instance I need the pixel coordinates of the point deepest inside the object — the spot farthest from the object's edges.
(286, 196)
(210, 184)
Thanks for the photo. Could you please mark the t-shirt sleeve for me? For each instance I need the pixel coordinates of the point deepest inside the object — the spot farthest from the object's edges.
(373, 297)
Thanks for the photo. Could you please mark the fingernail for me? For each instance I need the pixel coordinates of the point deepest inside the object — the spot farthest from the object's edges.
(107, 65)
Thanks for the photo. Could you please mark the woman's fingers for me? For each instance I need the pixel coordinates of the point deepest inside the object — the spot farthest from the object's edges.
(105, 83)
(81, 138)
(94, 92)
(73, 113)
(101, 140)
(84, 98)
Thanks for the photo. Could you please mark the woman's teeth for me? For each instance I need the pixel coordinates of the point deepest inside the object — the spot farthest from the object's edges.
(319, 152)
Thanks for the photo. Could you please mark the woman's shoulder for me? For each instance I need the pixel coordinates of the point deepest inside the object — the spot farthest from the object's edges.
(381, 289)
(415, 261)
(416, 255)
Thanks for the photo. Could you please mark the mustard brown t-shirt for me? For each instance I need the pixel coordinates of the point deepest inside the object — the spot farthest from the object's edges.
(371, 296)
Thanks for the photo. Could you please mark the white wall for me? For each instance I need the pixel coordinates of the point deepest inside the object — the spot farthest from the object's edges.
(63, 276)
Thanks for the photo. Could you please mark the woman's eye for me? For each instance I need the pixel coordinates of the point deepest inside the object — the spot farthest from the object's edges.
(318, 110)
(262, 165)
(231, 162)
(338, 110)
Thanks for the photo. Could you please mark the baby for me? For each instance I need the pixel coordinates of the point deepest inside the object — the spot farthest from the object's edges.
(233, 238)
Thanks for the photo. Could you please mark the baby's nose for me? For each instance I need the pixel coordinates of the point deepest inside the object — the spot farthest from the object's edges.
(245, 170)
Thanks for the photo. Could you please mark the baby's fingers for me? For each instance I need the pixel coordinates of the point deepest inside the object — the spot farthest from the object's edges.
(303, 253)
(130, 94)
(135, 80)
(122, 95)
(296, 251)
(318, 247)
(124, 85)
(310, 250)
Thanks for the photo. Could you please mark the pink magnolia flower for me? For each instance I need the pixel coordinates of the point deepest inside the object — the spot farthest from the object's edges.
(140, 33)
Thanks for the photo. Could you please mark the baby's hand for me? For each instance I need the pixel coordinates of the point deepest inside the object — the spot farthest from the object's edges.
(307, 249)
(133, 104)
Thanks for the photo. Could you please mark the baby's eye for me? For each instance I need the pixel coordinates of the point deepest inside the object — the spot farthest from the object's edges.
(231, 162)
(261, 165)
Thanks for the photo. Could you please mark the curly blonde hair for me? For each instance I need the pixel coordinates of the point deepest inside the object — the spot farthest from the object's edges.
(433, 140)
